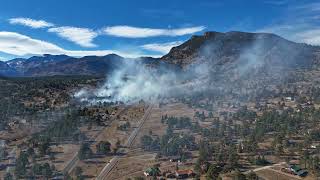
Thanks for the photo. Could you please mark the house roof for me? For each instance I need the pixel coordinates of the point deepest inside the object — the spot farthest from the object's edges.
(187, 171)
(151, 170)
(295, 168)
(302, 172)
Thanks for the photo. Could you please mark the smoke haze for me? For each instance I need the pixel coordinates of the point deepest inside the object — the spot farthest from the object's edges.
(221, 64)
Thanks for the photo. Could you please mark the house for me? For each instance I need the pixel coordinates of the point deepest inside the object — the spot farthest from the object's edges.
(289, 98)
(298, 171)
(175, 159)
(313, 146)
(183, 174)
(152, 171)
(147, 172)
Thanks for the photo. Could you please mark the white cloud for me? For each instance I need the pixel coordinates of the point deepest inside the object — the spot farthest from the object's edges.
(18, 44)
(137, 32)
(302, 33)
(280, 29)
(22, 45)
(161, 47)
(80, 36)
(300, 24)
(310, 36)
(309, 7)
(30, 22)
(2, 58)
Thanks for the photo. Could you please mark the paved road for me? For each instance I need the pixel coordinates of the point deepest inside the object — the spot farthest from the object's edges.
(69, 167)
(134, 134)
(71, 164)
(111, 164)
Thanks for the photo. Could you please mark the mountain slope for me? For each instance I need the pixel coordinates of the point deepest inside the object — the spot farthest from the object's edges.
(6, 70)
(220, 48)
(243, 64)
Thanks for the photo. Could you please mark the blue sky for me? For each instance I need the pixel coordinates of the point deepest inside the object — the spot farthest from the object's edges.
(143, 27)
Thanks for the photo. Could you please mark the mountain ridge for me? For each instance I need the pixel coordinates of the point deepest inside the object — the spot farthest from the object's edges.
(212, 47)
(231, 43)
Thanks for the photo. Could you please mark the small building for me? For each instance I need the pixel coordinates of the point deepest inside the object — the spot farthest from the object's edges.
(183, 174)
(313, 146)
(298, 171)
(289, 98)
(151, 171)
(175, 159)
(147, 172)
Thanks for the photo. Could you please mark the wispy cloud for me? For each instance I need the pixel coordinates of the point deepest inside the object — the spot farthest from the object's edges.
(311, 7)
(310, 36)
(138, 32)
(30, 22)
(2, 58)
(22, 45)
(161, 47)
(80, 36)
(277, 2)
(300, 24)
(303, 33)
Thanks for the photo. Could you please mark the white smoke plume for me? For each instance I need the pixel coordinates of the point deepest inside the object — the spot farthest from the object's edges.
(216, 69)
(132, 83)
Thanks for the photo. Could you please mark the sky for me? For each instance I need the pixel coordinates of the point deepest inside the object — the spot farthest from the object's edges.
(143, 27)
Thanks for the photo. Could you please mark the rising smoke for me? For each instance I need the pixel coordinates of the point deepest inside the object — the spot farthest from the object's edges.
(134, 82)
(218, 65)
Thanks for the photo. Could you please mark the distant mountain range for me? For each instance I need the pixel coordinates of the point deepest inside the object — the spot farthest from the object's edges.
(7, 70)
(49, 65)
(214, 48)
